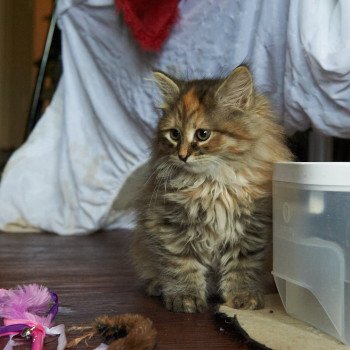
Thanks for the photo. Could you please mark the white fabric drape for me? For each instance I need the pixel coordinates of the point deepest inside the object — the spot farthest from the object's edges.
(317, 73)
(76, 172)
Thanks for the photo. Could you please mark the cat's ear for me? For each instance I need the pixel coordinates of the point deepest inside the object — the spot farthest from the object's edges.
(237, 89)
(167, 86)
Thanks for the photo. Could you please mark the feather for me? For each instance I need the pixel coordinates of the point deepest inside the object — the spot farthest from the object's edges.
(30, 302)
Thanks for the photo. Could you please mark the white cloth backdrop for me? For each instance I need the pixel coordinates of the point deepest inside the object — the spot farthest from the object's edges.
(79, 170)
(317, 70)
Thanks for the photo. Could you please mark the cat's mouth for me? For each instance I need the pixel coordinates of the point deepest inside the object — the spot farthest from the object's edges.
(194, 166)
(197, 165)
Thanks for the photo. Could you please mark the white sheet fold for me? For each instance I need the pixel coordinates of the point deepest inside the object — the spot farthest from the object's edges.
(74, 174)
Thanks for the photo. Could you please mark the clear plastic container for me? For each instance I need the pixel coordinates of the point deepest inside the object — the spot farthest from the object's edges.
(311, 238)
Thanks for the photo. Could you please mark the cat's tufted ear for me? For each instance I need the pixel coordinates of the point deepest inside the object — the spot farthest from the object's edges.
(167, 86)
(237, 89)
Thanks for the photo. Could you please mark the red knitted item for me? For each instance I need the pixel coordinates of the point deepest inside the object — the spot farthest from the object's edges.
(149, 20)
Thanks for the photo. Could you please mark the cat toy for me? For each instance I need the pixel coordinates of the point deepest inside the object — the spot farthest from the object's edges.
(121, 332)
(28, 312)
(232, 327)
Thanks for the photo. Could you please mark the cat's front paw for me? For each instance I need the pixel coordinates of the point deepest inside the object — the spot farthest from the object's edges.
(185, 303)
(154, 288)
(246, 300)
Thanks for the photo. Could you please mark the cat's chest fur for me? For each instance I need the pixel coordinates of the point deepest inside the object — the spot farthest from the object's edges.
(211, 209)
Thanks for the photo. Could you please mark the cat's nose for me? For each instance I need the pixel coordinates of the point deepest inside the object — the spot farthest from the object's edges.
(183, 158)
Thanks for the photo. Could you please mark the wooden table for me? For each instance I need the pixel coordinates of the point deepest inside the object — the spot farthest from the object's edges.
(92, 276)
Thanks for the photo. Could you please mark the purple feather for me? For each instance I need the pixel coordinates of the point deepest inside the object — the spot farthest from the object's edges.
(30, 302)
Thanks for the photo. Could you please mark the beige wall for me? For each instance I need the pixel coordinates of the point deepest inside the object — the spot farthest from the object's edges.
(16, 28)
(23, 31)
(42, 10)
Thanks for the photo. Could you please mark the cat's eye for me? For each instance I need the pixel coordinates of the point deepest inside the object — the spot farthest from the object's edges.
(175, 134)
(202, 134)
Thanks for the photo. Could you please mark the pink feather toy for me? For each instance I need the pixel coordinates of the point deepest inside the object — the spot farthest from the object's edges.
(28, 311)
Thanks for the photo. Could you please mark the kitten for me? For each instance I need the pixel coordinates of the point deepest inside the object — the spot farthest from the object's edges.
(205, 216)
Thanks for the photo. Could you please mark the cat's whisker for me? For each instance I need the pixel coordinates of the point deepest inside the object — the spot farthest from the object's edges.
(168, 178)
(155, 192)
(154, 173)
(159, 182)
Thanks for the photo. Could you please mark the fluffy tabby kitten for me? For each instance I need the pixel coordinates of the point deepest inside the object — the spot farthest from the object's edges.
(205, 216)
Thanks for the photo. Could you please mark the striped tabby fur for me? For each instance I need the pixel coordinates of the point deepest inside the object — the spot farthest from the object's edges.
(204, 221)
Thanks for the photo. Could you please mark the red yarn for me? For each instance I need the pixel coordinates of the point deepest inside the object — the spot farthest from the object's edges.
(149, 20)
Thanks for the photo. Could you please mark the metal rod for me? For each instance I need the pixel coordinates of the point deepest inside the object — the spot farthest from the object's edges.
(33, 114)
(320, 147)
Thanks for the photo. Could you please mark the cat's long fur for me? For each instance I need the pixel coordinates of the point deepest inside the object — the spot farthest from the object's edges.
(205, 215)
